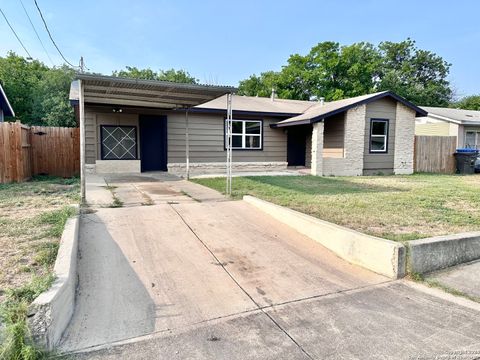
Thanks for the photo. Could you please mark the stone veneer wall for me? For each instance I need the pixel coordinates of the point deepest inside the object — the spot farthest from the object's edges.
(352, 162)
(317, 149)
(220, 167)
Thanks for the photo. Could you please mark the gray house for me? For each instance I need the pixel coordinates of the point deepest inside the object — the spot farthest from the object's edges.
(139, 125)
(464, 124)
(5, 107)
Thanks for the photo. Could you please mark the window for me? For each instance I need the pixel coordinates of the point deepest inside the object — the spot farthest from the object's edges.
(378, 136)
(246, 134)
(472, 139)
(118, 142)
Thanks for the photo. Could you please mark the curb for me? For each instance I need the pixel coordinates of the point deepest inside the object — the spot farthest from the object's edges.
(440, 252)
(382, 256)
(51, 311)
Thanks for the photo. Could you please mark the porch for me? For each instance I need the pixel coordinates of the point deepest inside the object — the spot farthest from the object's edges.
(318, 148)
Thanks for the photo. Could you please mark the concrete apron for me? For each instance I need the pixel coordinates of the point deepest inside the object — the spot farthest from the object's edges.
(150, 269)
(224, 280)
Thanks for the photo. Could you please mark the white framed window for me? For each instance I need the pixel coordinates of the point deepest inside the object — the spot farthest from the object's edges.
(379, 135)
(246, 134)
(472, 139)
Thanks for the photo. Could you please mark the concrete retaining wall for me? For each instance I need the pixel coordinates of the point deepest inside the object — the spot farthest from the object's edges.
(51, 312)
(426, 255)
(379, 255)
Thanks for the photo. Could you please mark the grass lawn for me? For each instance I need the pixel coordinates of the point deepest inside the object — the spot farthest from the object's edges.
(393, 207)
(32, 218)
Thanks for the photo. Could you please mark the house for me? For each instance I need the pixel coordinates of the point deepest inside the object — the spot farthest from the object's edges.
(141, 125)
(464, 124)
(5, 107)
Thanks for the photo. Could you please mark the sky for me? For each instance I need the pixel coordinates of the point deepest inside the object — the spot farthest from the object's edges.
(223, 42)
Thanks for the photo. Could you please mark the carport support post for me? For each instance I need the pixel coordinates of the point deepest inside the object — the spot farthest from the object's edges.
(229, 144)
(187, 145)
(81, 107)
(317, 149)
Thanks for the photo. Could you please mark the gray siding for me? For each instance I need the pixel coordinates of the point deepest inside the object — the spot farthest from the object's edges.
(90, 136)
(206, 136)
(207, 141)
(94, 118)
(334, 136)
(381, 109)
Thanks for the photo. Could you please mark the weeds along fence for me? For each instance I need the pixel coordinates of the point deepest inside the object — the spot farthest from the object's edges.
(27, 151)
(434, 154)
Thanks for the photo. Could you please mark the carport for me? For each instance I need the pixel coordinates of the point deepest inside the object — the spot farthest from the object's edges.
(141, 143)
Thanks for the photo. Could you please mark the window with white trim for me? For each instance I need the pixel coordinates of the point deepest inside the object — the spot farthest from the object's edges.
(378, 135)
(246, 134)
(118, 142)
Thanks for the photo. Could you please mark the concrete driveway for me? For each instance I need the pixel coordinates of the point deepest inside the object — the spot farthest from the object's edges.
(221, 280)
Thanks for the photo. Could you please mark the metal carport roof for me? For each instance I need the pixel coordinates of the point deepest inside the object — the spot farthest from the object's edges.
(110, 90)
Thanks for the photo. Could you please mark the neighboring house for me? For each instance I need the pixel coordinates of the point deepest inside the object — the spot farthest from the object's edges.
(5, 107)
(464, 124)
(139, 125)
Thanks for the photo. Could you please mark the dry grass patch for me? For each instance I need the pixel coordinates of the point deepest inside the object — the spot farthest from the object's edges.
(32, 216)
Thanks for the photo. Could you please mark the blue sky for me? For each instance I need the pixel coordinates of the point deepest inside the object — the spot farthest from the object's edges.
(222, 42)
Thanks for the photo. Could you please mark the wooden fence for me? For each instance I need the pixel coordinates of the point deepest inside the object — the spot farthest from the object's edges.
(26, 151)
(434, 154)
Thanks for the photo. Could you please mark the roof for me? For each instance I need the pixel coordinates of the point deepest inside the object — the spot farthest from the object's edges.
(5, 104)
(258, 105)
(111, 90)
(459, 116)
(318, 112)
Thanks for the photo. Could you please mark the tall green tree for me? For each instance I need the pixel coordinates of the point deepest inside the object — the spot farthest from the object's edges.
(418, 75)
(469, 103)
(37, 93)
(179, 76)
(336, 72)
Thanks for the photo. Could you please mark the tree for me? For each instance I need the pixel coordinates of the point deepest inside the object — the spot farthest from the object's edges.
(336, 72)
(37, 93)
(418, 75)
(179, 76)
(468, 103)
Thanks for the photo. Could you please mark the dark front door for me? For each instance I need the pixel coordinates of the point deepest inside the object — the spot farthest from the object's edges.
(296, 146)
(153, 143)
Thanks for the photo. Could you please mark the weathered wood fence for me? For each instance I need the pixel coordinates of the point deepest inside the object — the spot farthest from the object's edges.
(26, 151)
(434, 154)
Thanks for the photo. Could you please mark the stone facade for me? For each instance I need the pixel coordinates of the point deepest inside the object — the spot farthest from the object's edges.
(317, 149)
(352, 162)
(404, 140)
(220, 167)
(117, 166)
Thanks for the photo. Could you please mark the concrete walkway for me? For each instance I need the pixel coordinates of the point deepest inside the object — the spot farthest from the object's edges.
(221, 280)
(464, 278)
(144, 189)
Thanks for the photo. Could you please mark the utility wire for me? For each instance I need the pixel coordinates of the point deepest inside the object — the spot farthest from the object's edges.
(20, 41)
(50, 35)
(36, 33)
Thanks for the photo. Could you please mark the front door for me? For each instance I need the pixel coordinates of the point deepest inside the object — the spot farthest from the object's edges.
(296, 146)
(153, 143)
